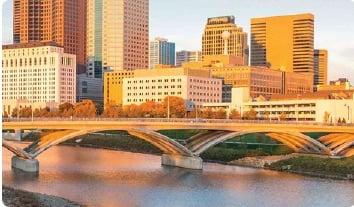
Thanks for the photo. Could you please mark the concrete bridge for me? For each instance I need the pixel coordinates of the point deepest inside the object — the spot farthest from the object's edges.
(339, 140)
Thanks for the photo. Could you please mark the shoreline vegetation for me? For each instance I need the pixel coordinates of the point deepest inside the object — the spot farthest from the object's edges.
(253, 150)
(12, 197)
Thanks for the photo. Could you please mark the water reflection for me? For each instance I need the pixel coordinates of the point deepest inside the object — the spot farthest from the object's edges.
(109, 178)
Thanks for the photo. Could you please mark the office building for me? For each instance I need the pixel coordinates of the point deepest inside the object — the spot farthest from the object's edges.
(263, 81)
(61, 21)
(138, 86)
(194, 86)
(222, 36)
(117, 35)
(320, 67)
(40, 74)
(320, 107)
(89, 88)
(342, 84)
(283, 42)
(161, 52)
(187, 56)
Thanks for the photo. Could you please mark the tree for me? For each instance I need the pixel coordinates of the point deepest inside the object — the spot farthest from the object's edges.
(250, 115)
(132, 111)
(5, 114)
(14, 112)
(112, 111)
(65, 106)
(177, 106)
(344, 121)
(283, 116)
(207, 113)
(267, 115)
(219, 114)
(148, 109)
(234, 114)
(326, 117)
(85, 108)
(66, 109)
(26, 112)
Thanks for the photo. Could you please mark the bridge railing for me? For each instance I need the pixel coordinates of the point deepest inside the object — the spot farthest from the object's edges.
(188, 120)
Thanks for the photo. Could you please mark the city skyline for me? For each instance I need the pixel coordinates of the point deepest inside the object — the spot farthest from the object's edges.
(328, 29)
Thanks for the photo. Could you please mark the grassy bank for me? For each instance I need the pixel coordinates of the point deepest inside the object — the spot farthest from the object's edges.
(317, 166)
(13, 198)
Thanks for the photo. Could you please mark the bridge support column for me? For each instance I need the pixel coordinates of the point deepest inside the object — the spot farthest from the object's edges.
(26, 165)
(195, 163)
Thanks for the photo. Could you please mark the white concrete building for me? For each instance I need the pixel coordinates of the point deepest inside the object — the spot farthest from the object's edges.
(195, 86)
(322, 110)
(38, 74)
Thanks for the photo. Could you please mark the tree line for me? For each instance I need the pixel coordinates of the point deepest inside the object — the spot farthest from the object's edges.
(174, 106)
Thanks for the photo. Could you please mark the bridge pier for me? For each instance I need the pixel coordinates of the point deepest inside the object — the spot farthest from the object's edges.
(195, 163)
(26, 165)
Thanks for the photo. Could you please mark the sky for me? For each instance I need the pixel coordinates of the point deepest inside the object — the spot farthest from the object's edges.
(183, 21)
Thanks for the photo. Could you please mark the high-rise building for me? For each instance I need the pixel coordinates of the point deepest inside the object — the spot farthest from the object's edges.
(61, 21)
(117, 35)
(222, 35)
(161, 52)
(38, 74)
(321, 67)
(187, 56)
(283, 42)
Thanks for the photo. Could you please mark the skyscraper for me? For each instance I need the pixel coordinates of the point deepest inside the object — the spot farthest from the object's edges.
(61, 21)
(161, 52)
(213, 42)
(321, 66)
(117, 35)
(187, 56)
(283, 42)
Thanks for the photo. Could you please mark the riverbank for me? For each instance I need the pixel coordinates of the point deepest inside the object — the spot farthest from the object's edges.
(13, 198)
(334, 168)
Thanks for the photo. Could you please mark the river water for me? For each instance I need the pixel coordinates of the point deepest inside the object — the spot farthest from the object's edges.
(97, 177)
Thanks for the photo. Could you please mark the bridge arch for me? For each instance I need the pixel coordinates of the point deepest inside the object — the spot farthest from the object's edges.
(164, 143)
(296, 141)
(339, 143)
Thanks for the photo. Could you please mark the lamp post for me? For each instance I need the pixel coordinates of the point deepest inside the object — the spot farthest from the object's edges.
(196, 111)
(168, 107)
(347, 105)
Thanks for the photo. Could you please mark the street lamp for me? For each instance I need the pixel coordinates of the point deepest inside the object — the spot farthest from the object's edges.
(168, 107)
(348, 106)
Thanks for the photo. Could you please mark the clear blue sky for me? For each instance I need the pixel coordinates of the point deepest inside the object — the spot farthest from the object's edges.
(182, 21)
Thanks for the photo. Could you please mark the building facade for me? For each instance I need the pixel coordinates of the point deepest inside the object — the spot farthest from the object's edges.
(89, 88)
(283, 42)
(321, 67)
(314, 107)
(117, 35)
(61, 21)
(37, 73)
(113, 86)
(187, 56)
(342, 84)
(161, 52)
(215, 43)
(194, 86)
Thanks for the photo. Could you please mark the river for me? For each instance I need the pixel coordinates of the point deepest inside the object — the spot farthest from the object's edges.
(97, 177)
